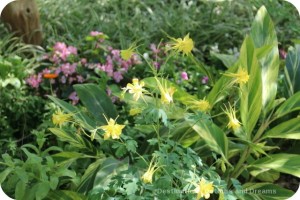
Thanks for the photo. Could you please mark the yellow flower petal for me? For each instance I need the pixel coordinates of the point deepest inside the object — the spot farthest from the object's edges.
(59, 118)
(184, 45)
(112, 130)
(204, 189)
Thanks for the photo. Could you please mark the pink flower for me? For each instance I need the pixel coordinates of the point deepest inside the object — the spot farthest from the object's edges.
(117, 76)
(184, 76)
(72, 50)
(79, 79)
(73, 96)
(68, 69)
(204, 80)
(282, 53)
(83, 61)
(95, 33)
(154, 49)
(34, 80)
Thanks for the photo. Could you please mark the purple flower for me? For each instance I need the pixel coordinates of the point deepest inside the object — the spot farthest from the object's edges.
(83, 61)
(204, 80)
(95, 33)
(282, 53)
(34, 80)
(79, 79)
(68, 69)
(184, 76)
(73, 96)
(154, 49)
(117, 76)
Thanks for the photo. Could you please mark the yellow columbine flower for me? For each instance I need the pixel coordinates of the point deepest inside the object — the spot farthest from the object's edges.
(184, 45)
(59, 118)
(127, 53)
(202, 105)
(204, 189)
(135, 88)
(112, 129)
(233, 123)
(134, 111)
(148, 175)
(240, 77)
(166, 93)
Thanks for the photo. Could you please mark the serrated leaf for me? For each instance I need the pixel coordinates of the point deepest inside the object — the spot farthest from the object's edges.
(131, 145)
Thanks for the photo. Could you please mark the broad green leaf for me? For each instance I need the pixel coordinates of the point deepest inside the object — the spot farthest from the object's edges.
(88, 178)
(65, 195)
(265, 191)
(20, 190)
(72, 138)
(85, 120)
(266, 176)
(96, 101)
(292, 70)
(42, 190)
(287, 130)
(251, 92)
(285, 163)
(5, 173)
(228, 60)
(290, 105)
(214, 137)
(221, 87)
(263, 34)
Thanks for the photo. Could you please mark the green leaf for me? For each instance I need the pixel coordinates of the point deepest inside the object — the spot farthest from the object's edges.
(290, 105)
(221, 87)
(85, 120)
(65, 195)
(265, 191)
(285, 163)
(251, 92)
(20, 190)
(263, 34)
(179, 94)
(131, 145)
(73, 139)
(4, 174)
(292, 70)
(266, 176)
(131, 187)
(88, 178)
(228, 60)
(287, 130)
(214, 137)
(42, 190)
(53, 182)
(96, 101)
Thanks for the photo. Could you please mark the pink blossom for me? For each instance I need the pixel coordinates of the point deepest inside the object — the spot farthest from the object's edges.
(68, 68)
(117, 76)
(282, 53)
(73, 96)
(204, 80)
(184, 76)
(154, 49)
(83, 61)
(95, 33)
(72, 50)
(79, 79)
(34, 80)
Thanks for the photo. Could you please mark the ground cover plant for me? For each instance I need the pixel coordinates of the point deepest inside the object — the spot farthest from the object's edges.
(143, 113)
